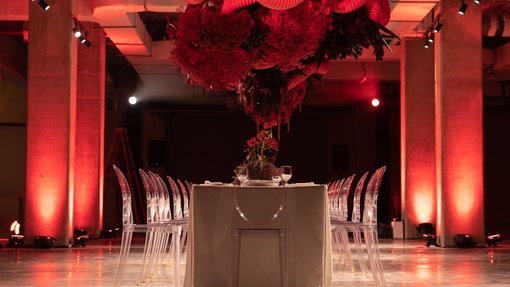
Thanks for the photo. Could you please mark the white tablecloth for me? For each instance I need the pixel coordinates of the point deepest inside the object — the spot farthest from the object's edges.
(210, 252)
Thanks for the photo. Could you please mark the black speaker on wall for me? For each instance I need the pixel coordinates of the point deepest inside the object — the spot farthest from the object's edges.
(340, 157)
(156, 153)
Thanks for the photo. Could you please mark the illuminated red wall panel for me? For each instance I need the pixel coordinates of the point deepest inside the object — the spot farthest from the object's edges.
(459, 133)
(88, 199)
(417, 135)
(50, 123)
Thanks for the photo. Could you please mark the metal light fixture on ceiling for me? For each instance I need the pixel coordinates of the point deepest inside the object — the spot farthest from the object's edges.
(463, 8)
(45, 6)
(80, 32)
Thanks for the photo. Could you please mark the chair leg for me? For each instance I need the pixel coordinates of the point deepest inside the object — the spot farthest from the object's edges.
(283, 258)
(372, 255)
(339, 246)
(149, 238)
(344, 237)
(177, 256)
(359, 250)
(124, 253)
(234, 280)
(377, 255)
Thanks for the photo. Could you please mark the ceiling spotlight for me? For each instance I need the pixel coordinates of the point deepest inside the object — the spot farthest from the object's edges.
(81, 33)
(44, 5)
(438, 27)
(431, 38)
(132, 100)
(463, 8)
(76, 32)
(87, 43)
(477, 1)
(375, 102)
(426, 45)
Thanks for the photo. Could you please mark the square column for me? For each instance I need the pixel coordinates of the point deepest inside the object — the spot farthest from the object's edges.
(459, 130)
(51, 122)
(89, 155)
(417, 108)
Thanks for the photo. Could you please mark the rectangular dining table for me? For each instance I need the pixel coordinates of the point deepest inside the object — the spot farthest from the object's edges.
(216, 208)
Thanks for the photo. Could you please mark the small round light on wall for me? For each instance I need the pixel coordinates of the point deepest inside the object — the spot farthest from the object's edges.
(375, 103)
(133, 100)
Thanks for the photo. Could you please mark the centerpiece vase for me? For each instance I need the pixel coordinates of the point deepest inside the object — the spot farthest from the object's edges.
(260, 170)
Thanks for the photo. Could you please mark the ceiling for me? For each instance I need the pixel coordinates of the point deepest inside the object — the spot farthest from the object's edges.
(136, 29)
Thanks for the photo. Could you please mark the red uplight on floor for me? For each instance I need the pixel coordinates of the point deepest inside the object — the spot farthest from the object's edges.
(375, 102)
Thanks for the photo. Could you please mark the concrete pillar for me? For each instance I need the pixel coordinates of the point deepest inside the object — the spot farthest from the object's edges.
(459, 133)
(417, 135)
(51, 122)
(89, 156)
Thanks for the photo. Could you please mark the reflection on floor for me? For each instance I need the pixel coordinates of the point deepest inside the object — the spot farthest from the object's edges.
(406, 263)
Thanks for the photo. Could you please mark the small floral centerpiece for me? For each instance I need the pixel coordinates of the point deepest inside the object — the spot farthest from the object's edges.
(261, 153)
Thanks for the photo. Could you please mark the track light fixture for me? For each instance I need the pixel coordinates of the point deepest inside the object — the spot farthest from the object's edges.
(433, 28)
(463, 8)
(438, 27)
(76, 32)
(45, 6)
(81, 33)
(431, 38)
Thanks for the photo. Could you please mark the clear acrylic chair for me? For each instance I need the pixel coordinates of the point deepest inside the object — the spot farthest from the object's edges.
(185, 213)
(256, 214)
(128, 226)
(367, 225)
(152, 198)
(340, 232)
(182, 224)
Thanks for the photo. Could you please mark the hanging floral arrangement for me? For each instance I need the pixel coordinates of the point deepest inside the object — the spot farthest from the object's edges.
(265, 50)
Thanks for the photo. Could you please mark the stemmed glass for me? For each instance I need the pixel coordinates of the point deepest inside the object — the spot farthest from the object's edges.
(286, 173)
(242, 174)
(277, 176)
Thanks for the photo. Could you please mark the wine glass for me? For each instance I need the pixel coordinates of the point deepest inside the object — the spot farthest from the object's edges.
(286, 173)
(277, 176)
(242, 174)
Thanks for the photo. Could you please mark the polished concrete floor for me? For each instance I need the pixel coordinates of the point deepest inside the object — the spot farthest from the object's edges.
(406, 263)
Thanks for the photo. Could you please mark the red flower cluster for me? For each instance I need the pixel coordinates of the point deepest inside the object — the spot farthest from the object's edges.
(262, 147)
(209, 48)
(294, 35)
(255, 50)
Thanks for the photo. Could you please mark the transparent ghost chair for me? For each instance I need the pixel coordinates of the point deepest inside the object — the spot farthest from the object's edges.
(152, 198)
(367, 225)
(255, 214)
(128, 226)
(185, 213)
(182, 223)
(340, 232)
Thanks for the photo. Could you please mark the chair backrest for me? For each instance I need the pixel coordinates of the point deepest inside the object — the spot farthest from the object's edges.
(127, 210)
(335, 196)
(164, 211)
(184, 194)
(177, 211)
(343, 212)
(189, 185)
(151, 196)
(356, 206)
(370, 212)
